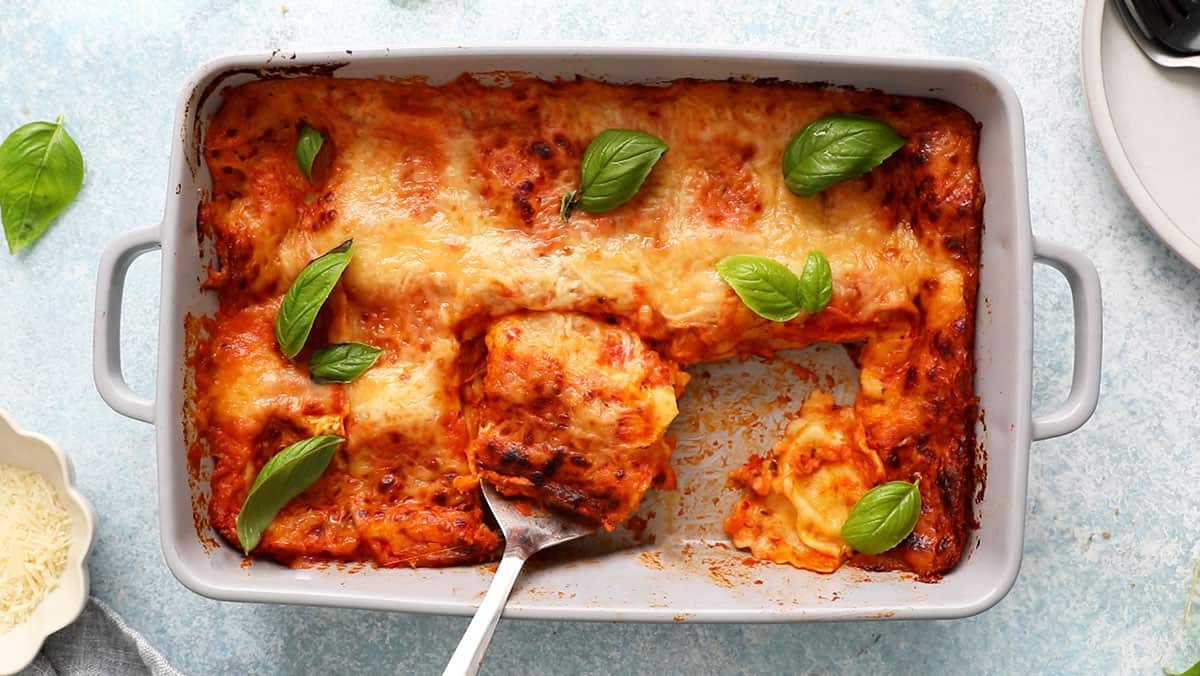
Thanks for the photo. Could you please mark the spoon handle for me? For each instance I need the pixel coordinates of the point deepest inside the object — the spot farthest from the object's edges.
(469, 654)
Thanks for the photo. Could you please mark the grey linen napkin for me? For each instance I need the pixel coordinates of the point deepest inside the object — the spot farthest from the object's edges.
(99, 643)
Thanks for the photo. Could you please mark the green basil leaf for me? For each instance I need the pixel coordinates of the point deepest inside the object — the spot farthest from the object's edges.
(836, 148)
(342, 362)
(816, 282)
(883, 517)
(285, 476)
(768, 288)
(306, 296)
(41, 172)
(568, 203)
(307, 147)
(1194, 671)
(614, 166)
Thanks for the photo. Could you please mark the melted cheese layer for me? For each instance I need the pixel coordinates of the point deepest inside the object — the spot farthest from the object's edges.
(451, 196)
(573, 410)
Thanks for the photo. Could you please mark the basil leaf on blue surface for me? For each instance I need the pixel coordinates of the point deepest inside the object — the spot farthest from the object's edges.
(41, 172)
(1193, 671)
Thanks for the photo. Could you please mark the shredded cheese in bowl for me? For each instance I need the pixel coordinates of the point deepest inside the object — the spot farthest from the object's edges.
(35, 534)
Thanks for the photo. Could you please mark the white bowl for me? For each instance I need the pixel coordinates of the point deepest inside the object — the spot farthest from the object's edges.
(19, 645)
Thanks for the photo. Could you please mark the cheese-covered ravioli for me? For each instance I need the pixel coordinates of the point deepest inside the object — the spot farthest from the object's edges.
(797, 498)
(572, 411)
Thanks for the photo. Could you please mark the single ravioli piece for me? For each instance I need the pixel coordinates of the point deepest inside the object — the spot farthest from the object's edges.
(572, 411)
(798, 498)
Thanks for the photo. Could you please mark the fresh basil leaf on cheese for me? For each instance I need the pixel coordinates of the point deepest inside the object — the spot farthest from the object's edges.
(767, 287)
(772, 291)
(568, 203)
(614, 166)
(342, 362)
(307, 147)
(883, 517)
(834, 149)
(285, 476)
(816, 282)
(305, 297)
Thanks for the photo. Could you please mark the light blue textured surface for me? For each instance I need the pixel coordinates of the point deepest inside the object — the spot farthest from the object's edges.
(1113, 513)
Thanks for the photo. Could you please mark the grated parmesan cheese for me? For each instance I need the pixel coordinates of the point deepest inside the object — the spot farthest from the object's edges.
(35, 533)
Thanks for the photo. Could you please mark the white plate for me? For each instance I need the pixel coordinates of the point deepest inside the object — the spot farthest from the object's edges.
(1146, 118)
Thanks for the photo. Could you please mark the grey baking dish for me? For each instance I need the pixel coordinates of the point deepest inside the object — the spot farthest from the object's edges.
(684, 572)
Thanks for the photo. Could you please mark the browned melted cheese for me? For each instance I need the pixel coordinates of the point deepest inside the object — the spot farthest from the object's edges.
(574, 410)
(480, 295)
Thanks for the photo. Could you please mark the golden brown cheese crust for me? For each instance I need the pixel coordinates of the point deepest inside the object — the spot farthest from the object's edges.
(451, 195)
(573, 410)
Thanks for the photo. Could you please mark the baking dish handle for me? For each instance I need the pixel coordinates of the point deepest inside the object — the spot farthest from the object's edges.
(1085, 380)
(106, 343)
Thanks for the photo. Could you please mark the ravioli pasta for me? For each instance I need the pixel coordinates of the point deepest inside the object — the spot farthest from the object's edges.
(547, 355)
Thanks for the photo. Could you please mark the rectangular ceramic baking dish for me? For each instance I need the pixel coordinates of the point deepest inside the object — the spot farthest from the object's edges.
(679, 567)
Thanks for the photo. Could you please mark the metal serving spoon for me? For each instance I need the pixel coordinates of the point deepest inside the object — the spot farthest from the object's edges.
(524, 536)
(1168, 31)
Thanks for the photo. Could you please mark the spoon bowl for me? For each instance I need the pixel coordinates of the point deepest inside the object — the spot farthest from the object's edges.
(1147, 25)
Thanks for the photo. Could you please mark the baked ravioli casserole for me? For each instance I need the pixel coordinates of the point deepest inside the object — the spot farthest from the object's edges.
(546, 354)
